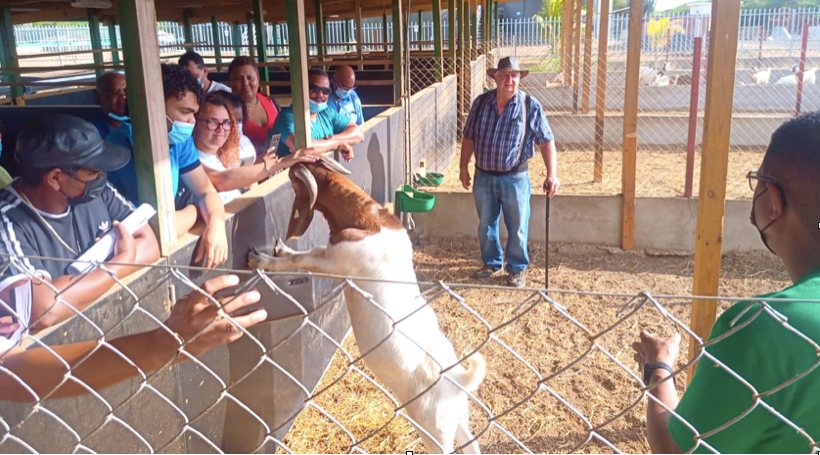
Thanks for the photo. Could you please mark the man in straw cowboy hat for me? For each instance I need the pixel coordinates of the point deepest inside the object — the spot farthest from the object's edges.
(503, 128)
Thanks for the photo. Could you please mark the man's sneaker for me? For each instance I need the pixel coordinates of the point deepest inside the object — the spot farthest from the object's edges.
(516, 279)
(485, 272)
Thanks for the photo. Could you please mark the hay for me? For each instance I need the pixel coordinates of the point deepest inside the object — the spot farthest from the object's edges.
(659, 173)
(595, 386)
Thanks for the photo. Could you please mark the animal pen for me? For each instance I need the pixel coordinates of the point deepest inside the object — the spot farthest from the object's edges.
(645, 99)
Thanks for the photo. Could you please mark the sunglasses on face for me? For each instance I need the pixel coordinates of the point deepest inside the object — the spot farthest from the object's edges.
(317, 89)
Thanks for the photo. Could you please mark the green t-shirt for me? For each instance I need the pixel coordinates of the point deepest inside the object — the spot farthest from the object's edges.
(327, 123)
(763, 350)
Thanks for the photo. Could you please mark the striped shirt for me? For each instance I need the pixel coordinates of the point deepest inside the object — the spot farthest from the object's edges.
(497, 137)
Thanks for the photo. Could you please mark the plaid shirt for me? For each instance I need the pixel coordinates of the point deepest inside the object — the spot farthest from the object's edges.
(497, 137)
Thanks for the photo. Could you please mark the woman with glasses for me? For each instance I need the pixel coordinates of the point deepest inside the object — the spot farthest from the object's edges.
(329, 129)
(216, 136)
(243, 76)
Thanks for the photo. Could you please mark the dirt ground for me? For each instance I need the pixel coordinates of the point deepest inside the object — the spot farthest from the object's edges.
(659, 173)
(533, 340)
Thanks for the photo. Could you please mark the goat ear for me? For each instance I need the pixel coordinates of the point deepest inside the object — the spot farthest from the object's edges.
(333, 165)
(304, 185)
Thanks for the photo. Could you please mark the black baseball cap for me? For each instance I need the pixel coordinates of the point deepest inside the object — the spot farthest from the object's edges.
(65, 141)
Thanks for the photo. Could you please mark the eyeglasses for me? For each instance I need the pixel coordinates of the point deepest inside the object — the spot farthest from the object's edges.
(213, 125)
(317, 89)
(94, 174)
(753, 177)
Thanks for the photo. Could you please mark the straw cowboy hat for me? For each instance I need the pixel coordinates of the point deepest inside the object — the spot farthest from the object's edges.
(507, 64)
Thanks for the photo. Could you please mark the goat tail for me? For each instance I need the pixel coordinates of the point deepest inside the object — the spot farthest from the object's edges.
(471, 378)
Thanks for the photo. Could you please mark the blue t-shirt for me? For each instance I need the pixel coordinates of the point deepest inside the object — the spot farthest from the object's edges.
(350, 106)
(327, 123)
(183, 157)
(103, 125)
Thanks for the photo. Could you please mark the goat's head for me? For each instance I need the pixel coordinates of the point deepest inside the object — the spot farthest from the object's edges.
(304, 185)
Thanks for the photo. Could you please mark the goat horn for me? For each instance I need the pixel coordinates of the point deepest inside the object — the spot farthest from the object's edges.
(304, 185)
(334, 165)
(301, 172)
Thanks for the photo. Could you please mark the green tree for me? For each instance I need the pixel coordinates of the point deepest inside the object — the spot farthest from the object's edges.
(551, 9)
(756, 4)
(648, 5)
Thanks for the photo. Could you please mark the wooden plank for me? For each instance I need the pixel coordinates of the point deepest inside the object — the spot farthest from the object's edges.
(297, 40)
(217, 37)
(261, 39)
(187, 29)
(566, 42)
(320, 31)
(717, 126)
(600, 96)
(576, 58)
(96, 40)
(398, 47)
(146, 105)
(8, 56)
(633, 62)
(452, 47)
(358, 13)
(112, 40)
(437, 41)
(236, 38)
(251, 35)
(586, 85)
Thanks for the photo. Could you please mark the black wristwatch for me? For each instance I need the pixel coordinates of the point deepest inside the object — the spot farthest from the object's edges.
(648, 368)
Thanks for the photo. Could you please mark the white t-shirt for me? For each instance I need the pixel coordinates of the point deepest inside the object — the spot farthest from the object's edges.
(211, 161)
(247, 152)
(218, 86)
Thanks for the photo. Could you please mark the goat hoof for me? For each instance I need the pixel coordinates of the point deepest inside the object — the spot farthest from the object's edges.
(279, 248)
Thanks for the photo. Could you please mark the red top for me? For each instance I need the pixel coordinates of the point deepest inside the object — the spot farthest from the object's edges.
(258, 133)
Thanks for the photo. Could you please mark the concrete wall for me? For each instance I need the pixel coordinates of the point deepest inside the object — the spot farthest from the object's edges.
(433, 114)
(666, 224)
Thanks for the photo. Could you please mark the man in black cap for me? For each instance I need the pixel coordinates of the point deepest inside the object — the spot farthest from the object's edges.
(503, 128)
(58, 208)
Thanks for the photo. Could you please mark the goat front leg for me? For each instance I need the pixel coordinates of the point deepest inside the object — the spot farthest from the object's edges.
(285, 258)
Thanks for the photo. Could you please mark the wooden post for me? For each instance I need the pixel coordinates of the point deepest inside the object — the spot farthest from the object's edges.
(236, 38)
(566, 42)
(576, 58)
(113, 41)
(419, 35)
(465, 38)
(474, 29)
(320, 30)
(8, 57)
(585, 91)
(633, 61)
(348, 34)
(693, 119)
(187, 29)
(398, 50)
(384, 32)
(600, 96)
(359, 51)
(146, 104)
(801, 68)
(261, 41)
(217, 42)
(437, 41)
(717, 125)
(96, 41)
(276, 39)
(251, 36)
(452, 47)
(297, 40)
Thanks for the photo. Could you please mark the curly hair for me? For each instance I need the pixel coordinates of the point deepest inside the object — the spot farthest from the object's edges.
(239, 62)
(228, 154)
(177, 81)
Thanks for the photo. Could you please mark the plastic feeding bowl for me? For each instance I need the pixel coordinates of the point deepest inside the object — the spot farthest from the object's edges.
(409, 199)
(429, 179)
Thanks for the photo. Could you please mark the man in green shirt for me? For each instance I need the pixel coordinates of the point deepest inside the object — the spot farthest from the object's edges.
(772, 345)
(329, 129)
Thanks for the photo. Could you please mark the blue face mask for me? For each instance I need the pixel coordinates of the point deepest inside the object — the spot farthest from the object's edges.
(180, 131)
(1, 145)
(119, 118)
(317, 107)
(343, 92)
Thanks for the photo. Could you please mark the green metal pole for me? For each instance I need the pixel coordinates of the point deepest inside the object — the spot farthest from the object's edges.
(187, 29)
(320, 30)
(96, 41)
(297, 45)
(8, 55)
(384, 30)
(467, 41)
(437, 44)
(474, 29)
(236, 38)
(217, 42)
(277, 42)
(261, 41)
(348, 32)
(113, 41)
(398, 68)
(251, 36)
(452, 47)
(419, 36)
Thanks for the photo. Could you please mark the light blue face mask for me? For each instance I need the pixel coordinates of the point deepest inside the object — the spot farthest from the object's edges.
(343, 92)
(317, 107)
(1, 145)
(180, 131)
(119, 118)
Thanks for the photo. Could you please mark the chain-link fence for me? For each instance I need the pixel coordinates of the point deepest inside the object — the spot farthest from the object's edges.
(560, 378)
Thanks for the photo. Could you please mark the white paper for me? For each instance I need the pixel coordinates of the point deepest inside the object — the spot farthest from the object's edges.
(16, 301)
(104, 248)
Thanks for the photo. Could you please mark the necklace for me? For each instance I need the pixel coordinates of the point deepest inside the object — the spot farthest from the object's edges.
(47, 225)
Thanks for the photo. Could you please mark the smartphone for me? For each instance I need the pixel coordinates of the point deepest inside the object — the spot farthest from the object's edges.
(272, 142)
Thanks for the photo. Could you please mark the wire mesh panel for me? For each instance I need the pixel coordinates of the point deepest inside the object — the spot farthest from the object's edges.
(559, 378)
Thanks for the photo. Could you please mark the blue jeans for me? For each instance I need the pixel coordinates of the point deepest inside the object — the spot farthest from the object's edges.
(511, 194)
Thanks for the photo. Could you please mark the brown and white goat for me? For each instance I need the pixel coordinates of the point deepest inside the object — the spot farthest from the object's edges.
(396, 331)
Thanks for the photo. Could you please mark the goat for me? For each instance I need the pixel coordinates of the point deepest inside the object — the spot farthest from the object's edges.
(395, 330)
(761, 77)
(809, 77)
(648, 75)
(681, 79)
(662, 80)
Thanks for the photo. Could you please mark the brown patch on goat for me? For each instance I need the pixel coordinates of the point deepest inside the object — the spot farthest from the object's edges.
(350, 212)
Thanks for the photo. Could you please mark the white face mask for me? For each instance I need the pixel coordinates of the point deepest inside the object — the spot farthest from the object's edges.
(239, 128)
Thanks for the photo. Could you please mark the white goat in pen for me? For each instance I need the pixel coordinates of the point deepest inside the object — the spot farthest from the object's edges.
(396, 331)
(809, 77)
